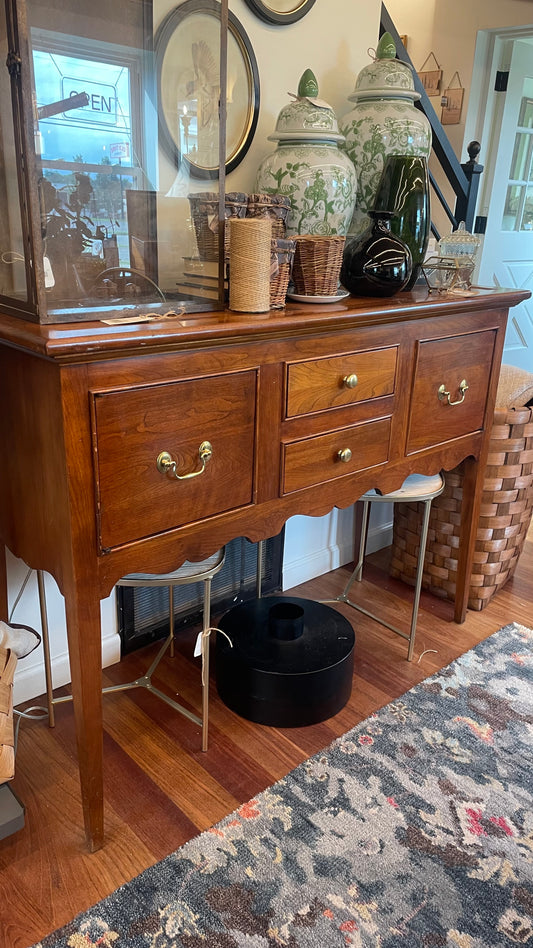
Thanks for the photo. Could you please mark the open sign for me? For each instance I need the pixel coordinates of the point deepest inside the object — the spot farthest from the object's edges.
(120, 150)
(102, 105)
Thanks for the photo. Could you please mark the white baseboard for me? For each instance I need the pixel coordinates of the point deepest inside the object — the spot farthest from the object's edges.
(326, 559)
(29, 681)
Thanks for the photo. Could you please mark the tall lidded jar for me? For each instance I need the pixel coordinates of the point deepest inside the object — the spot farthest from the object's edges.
(309, 167)
(383, 122)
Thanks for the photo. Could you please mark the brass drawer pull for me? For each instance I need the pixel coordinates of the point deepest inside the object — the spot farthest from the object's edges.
(165, 464)
(443, 394)
(350, 381)
(345, 455)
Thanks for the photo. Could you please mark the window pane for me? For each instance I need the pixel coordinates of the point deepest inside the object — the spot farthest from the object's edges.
(101, 127)
(527, 217)
(526, 113)
(521, 161)
(513, 202)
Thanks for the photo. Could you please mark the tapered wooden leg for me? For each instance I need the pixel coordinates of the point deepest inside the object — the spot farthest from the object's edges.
(85, 653)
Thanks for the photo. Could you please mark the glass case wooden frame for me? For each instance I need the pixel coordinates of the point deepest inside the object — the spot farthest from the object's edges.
(22, 173)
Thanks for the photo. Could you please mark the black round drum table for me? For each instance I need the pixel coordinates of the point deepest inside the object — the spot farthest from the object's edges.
(284, 661)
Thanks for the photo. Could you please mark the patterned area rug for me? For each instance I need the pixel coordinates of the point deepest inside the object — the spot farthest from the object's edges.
(413, 829)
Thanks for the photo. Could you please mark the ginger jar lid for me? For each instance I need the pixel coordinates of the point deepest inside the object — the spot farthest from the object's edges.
(386, 77)
(307, 118)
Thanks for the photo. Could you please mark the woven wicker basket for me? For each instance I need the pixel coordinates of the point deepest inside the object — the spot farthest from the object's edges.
(274, 206)
(506, 510)
(317, 264)
(204, 212)
(281, 261)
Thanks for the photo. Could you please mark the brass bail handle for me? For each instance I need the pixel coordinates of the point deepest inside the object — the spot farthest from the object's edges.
(166, 464)
(445, 395)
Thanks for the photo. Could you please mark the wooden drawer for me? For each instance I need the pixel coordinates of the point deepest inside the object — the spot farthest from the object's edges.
(315, 460)
(447, 362)
(132, 428)
(343, 380)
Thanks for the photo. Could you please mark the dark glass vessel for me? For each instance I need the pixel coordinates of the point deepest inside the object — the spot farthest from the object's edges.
(376, 263)
(404, 190)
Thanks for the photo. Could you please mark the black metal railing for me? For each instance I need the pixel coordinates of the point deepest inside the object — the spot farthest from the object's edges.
(463, 179)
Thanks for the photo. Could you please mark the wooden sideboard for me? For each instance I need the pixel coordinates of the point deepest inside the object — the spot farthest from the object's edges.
(304, 409)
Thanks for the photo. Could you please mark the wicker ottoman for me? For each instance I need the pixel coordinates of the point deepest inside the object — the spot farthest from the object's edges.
(506, 510)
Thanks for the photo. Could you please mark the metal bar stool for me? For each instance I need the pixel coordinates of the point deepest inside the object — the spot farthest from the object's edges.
(187, 574)
(416, 488)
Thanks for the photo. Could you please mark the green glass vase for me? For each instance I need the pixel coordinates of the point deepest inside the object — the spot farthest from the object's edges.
(403, 190)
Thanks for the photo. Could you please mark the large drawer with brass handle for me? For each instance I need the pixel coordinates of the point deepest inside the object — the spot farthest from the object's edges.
(332, 382)
(334, 454)
(172, 454)
(450, 388)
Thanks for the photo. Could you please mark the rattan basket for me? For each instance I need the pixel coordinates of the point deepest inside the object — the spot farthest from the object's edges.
(506, 510)
(317, 264)
(274, 206)
(281, 261)
(204, 212)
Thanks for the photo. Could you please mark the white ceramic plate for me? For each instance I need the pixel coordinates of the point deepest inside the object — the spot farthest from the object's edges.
(298, 298)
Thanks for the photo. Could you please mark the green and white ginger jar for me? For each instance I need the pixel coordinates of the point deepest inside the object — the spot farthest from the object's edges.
(383, 122)
(309, 167)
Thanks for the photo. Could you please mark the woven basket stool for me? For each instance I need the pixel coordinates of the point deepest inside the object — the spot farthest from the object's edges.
(505, 515)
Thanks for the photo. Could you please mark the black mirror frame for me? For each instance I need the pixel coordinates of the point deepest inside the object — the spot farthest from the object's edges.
(172, 22)
(270, 16)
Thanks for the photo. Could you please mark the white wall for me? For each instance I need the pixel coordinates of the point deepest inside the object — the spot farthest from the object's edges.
(332, 40)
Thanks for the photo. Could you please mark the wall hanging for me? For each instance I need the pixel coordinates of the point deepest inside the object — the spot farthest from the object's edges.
(430, 78)
(452, 102)
(280, 11)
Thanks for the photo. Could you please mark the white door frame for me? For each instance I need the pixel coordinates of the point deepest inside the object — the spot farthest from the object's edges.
(493, 53)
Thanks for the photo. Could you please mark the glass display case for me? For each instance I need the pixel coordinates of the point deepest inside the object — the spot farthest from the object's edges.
(113, 155)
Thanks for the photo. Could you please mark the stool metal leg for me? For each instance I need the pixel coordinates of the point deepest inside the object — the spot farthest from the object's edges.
(171, 619)
(357, 575)
(46, 649)
(419, 575)
(145, 681)
(205, 662)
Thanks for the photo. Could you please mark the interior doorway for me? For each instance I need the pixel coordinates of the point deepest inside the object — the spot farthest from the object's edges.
(501, 118)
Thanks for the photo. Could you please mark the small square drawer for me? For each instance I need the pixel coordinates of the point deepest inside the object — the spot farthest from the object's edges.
(315, 460)
(133, 428)
(343, 380)
(442, 408)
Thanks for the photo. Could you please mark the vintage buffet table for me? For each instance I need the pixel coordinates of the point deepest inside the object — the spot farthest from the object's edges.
(291, 412)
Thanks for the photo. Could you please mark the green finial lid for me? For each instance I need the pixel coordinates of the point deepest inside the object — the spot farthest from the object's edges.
(308, 86)
(386, 47)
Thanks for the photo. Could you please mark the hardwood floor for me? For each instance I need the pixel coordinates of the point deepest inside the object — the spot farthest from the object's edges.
(160, 789)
